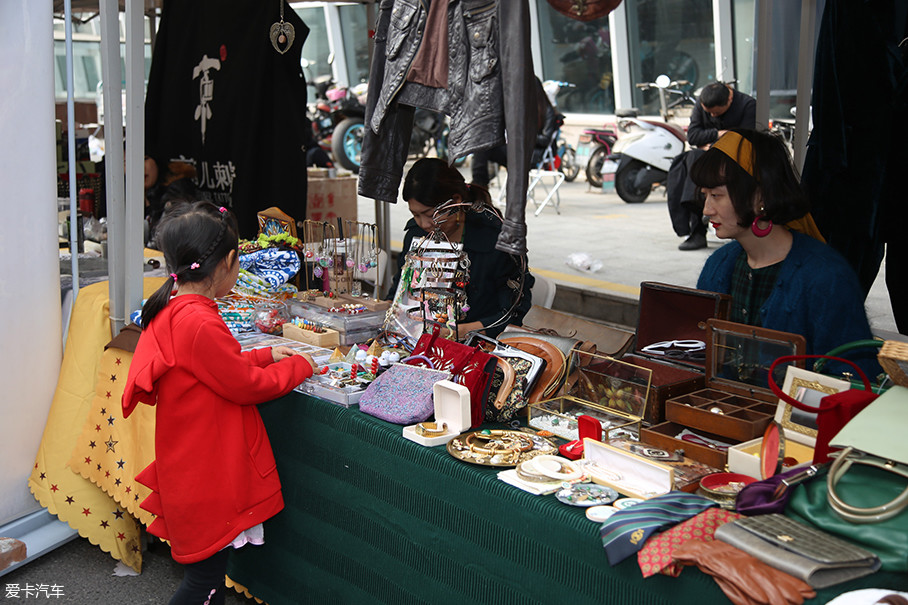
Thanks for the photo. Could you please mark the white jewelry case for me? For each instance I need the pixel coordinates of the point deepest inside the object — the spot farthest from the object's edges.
(452, 410)
(625, 472)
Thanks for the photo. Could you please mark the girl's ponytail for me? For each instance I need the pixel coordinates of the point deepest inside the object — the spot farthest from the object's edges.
(158, 300)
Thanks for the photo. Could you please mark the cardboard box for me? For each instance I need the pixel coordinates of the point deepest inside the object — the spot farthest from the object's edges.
(329, 199)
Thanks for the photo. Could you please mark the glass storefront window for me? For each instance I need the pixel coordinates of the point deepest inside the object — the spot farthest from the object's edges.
(671, 37)
(356, 41)
(316, 50)
(578, 53)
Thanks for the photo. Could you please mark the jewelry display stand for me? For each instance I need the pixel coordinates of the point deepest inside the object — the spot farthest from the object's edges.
(452, 416)
(626, 473)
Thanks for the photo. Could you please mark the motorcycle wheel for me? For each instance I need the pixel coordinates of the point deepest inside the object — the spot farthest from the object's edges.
(441, 147)
(624, 183)
(594, 167)
(347, 143)
(569, 164)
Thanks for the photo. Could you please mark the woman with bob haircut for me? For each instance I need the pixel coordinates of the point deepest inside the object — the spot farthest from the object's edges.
(778, 278)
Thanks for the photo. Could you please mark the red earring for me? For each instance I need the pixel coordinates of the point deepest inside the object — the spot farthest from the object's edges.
(760, 231)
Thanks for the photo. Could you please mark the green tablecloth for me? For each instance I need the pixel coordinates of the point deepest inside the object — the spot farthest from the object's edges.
(371, 517)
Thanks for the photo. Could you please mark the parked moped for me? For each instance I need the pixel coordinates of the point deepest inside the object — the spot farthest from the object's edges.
(642, 157)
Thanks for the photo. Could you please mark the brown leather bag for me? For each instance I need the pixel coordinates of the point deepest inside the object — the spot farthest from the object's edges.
(584, 10)
(555, 365)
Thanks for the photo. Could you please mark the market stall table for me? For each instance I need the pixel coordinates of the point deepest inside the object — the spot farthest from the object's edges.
(372, 517)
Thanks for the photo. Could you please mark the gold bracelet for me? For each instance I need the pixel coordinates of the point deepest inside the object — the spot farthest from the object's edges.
(431, 429)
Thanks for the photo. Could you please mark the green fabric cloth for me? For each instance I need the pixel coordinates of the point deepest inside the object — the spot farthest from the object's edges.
(373, 518)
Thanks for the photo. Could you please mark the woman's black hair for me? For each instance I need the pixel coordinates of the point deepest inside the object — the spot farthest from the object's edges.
(194, 237)
(432, 182)
(774, 179)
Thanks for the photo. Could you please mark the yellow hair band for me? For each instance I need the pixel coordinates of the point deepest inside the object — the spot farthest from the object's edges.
(738, 149)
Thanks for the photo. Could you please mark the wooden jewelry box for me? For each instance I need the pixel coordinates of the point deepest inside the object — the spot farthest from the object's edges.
(736, 403)
(612, 391)
(668, 315)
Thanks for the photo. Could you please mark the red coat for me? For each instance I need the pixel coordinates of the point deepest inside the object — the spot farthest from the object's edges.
(214, 473)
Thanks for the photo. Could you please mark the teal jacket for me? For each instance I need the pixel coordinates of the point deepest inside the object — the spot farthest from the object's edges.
(816, 294)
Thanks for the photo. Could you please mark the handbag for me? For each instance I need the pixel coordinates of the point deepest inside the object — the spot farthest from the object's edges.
(469, 366)
(552, 376)
(835, 410)
(402, 394)
(800, 550)
(864, 494)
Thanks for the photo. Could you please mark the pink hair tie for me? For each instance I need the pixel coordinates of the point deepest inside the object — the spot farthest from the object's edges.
(222, 210)
(174, 276)
(193, 266)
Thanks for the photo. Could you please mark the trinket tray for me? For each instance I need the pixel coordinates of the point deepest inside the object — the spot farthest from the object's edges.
(611, 391)
(333, 387)
(499, 447)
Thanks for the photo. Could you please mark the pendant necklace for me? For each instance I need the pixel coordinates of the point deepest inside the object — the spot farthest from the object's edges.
(282, 33)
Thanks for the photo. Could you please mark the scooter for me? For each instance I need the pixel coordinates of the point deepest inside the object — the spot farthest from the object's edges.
(642, 157)
(593, 147)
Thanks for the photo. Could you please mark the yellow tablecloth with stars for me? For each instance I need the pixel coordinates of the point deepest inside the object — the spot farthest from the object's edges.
(89, 455)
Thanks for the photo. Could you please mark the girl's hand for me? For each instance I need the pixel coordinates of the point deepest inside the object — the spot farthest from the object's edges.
(279, 353)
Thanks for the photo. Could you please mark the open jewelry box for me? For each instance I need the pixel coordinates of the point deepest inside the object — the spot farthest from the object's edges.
(452, 415)
(612, 391)
(671, 340)
(625, 472)
(798, 429)
(736, 403)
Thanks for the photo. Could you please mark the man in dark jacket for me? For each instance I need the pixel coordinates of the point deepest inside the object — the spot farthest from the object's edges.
(720, 108)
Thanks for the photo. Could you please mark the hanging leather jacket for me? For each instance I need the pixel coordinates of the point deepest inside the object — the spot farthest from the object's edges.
(489, 73)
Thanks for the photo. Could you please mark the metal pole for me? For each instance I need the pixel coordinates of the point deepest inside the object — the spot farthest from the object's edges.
(71, 147)
(135, 154)
(111, 76)
(764, 38)
(805, 80)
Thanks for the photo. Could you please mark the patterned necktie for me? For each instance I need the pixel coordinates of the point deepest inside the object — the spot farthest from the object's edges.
(625, 532)
(656, 555)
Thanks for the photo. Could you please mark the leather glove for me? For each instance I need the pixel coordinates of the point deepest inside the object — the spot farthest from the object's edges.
(743, 578)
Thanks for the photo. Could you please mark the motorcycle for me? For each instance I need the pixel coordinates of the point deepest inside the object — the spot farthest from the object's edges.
(641, 158)
(593, 147)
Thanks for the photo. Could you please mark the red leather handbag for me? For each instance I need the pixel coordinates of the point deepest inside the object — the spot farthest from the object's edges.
(835, 410)
(469, 366)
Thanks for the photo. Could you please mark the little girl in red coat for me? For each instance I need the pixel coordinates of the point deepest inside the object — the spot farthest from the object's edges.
(214, 479)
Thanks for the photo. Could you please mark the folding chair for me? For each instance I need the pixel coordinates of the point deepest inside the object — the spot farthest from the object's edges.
(545, 167)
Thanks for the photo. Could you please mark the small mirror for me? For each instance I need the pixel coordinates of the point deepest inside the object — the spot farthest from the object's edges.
(808, 388)
(663, 81)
